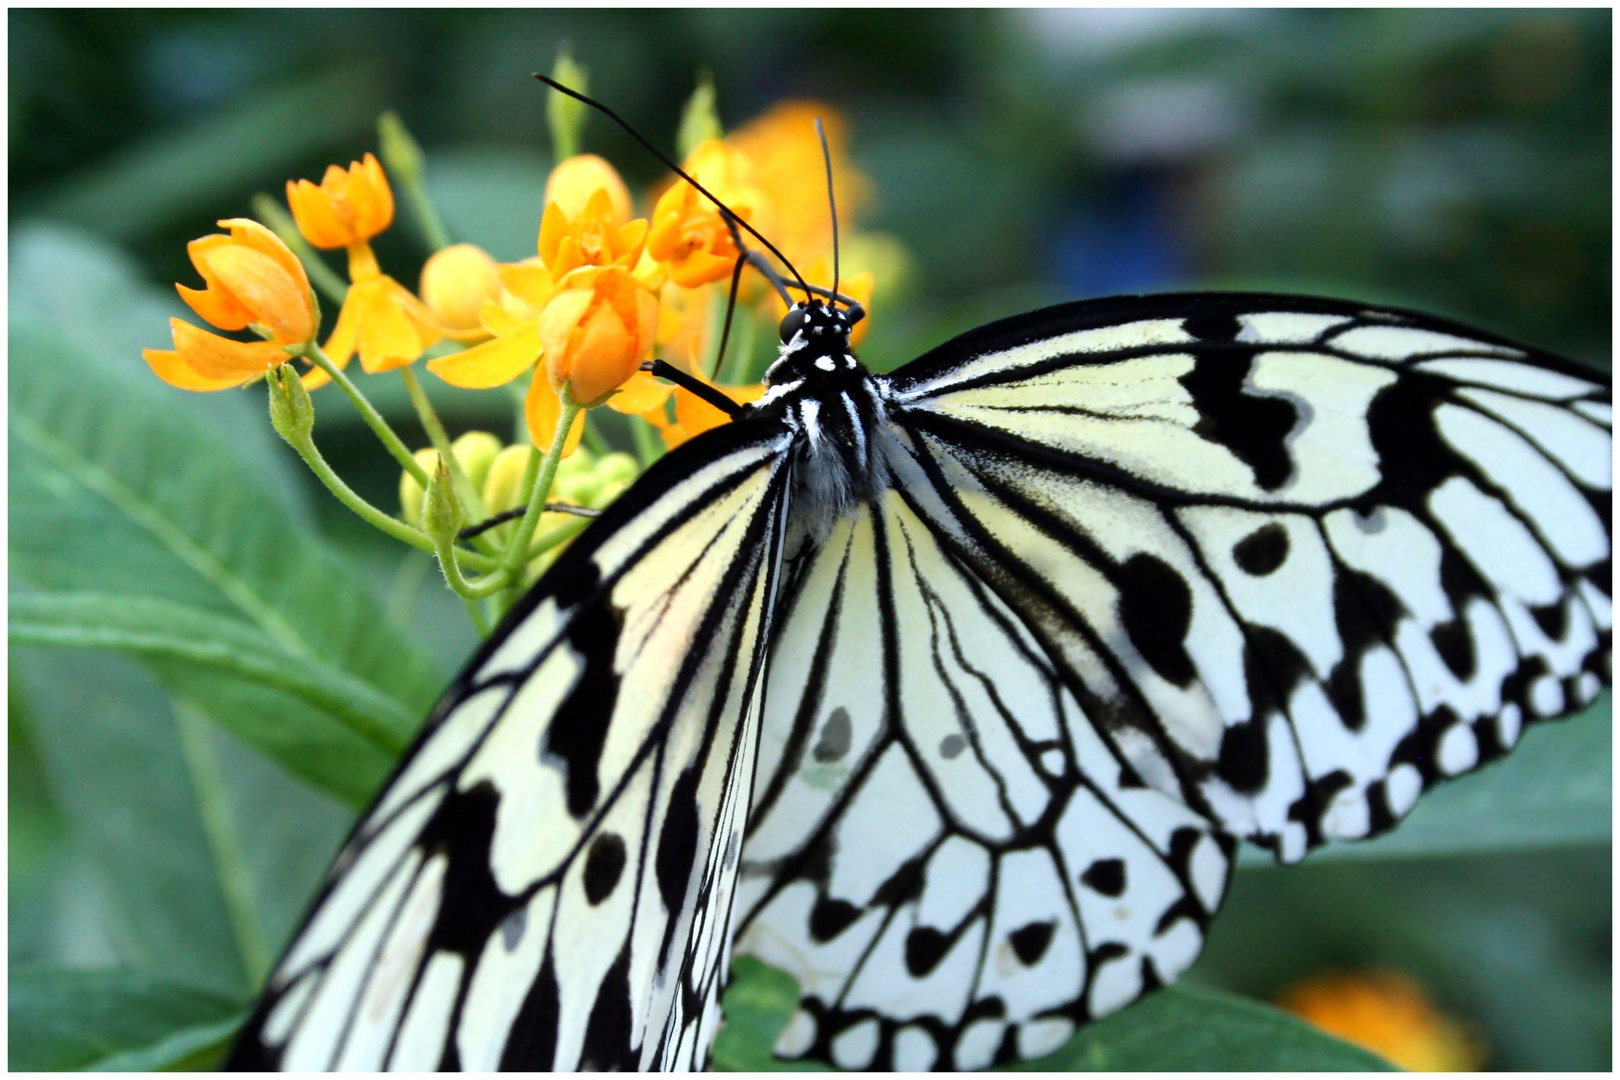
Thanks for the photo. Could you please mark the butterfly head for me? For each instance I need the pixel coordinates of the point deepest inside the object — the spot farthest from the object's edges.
(815, 343)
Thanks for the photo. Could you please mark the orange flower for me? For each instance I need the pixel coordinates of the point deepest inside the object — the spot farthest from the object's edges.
(350, 207)
(596, 331)
(688, 232)
(250, 278)
(1386, 1013)
(380, 318)
(514, 324)
(789, 169)
(587, 218)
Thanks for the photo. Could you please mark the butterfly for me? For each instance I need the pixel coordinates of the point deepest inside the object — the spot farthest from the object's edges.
(952, 691)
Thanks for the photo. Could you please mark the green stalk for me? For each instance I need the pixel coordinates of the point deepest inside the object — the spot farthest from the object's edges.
(368, 413)
(649, 447)
(441, 442)
(536, 487)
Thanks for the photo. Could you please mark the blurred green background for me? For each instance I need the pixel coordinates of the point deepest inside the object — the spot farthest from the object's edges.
(1453, 161)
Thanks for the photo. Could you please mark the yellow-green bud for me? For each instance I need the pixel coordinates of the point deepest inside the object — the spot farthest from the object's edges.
(292, 414)
(566, 114)
(618, 466)
(579, 489)
(410, 491)
(475, 453)
(699, 120)
(441, 510)
(503, 483)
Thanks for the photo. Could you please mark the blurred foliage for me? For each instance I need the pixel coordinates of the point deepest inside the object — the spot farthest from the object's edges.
(1453, 161)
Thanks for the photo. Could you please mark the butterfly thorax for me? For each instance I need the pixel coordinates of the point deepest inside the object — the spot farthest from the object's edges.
(829, 400)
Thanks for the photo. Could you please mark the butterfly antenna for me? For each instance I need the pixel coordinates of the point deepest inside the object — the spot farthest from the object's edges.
(731, 306)
(732, 220)
(832, 204)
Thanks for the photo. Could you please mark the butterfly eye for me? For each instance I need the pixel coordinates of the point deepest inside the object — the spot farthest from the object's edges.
(794, 321)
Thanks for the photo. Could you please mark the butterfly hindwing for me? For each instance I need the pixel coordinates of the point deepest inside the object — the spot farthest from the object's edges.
(547, 880)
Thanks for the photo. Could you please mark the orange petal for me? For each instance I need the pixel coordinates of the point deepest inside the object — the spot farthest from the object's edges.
(543, 411)
(373, 199)
(346, 334)
(216, 306)
(250, 233)
(215, 357)
(263, 286)
(492, 363)
(642, 395)
(169, 367)
(388, 338)
(317, 220)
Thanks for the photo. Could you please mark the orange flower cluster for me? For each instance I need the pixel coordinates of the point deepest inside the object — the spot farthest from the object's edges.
(1386, 1013)
(602, 291)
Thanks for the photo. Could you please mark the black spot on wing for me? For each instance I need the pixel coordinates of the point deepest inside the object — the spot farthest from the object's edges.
(1213, 327)
(532, 1044)
(1262, 551)
(604, 863)
(836, 735)
(473, 908)
(1105, 876)
(1155, 605)
(831, 917)
(578, 730)
(1253, 428)
(1030, 942)
(607, 1035)
(925, 947)
(951, 745)
(677, 851)
(1244, 762)
(1455, 643)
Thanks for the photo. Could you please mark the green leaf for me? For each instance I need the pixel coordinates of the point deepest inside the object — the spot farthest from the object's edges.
(113, 491)
(1553, 790)
(146, 627)
(113, 1020)
(758, 1002)
(1179, 1029)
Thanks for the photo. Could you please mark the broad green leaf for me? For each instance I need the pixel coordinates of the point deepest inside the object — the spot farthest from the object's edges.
(159, 629)
(204, 852)
(111, 756)
(112, 1020)
(112, 492)
(1553, 790)
(758, 1002)
(1176, 1029)
(1179, 1029)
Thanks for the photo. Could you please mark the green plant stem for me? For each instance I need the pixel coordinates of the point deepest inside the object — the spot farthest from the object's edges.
(224, 842)
(470, 591)
(322, 276)
(370, 514)
(368, 413)
(594, 440)
(433, 230)
(536, 486)
(557, 536)
(648, 448)
(480, 621)
(441, 442)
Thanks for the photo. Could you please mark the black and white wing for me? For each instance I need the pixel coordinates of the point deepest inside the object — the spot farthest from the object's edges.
(1153, 573)
(546, 882)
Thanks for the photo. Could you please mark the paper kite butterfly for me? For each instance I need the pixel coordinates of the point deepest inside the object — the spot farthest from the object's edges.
(951, 691)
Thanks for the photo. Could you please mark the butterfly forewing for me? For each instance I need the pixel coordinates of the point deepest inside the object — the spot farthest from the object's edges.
(547, 881)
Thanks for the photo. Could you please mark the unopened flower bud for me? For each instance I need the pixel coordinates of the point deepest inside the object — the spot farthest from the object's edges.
(441, 510)
(475, 453)
(411, 491)
(455, 283)
(292, 414)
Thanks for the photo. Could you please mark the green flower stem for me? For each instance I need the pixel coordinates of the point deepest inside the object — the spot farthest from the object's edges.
(322, 276)
(593, 439)
(480, 621)
(648, 445)
(441, 442)
(450, 563)
(368, 413)
(535, 490)
(370, 514)
(559, 535)
(433, 230)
